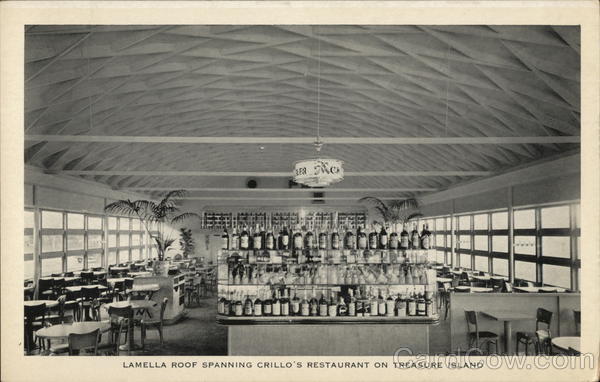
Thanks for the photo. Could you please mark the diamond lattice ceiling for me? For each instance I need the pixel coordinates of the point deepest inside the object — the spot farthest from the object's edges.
(261, 81)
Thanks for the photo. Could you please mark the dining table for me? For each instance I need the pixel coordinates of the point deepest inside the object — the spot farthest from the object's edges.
(473, 289)
(507, 317)
(567, 342)
(136, 306)
(49, 303)
(77, 288)
(114, 280)
(144, 289)
(139, 274)
(64, 330)
(444, 280)
(538, 289)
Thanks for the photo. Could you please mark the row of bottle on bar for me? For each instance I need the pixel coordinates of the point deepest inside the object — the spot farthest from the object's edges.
(273, 303)
(316, 274)
(275, 238)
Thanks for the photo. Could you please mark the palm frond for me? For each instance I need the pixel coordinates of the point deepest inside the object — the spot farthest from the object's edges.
(184, 216)
(122, 207)
(168, 198)
(404, 204)
(413, 216)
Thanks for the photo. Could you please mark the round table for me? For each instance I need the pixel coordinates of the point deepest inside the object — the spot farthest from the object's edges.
(567, 342)
(49, 303)
(63, 330)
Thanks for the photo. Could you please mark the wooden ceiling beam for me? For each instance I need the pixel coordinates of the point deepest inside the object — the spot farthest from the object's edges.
(261, 190)
(265, 174)
(308, 140)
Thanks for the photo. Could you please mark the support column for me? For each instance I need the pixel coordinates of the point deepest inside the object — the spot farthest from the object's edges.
(37, 249)
(511, 237)
(452, 238)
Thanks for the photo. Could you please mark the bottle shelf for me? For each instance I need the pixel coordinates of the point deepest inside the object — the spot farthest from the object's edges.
(320, 320)
(320, 285)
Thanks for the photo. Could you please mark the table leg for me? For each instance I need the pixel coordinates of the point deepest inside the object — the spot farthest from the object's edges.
(507, 337)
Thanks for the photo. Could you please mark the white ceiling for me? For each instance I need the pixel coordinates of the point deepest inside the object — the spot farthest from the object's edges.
(279, 82)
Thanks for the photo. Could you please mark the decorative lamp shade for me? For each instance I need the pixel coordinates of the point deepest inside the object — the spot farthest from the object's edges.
(318, 172)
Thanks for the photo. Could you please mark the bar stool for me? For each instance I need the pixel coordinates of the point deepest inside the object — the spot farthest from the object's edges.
(543, 316)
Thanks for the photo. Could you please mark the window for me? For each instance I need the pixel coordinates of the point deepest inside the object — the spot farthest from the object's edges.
(112, 241)
(28, 244)
(135, 240)
(525, 270)
(112, 257)
(124, 240)
(136, 254)
(440, 257)
(500, 244)
(439, 240)
(525, 245)
(500, 220)
(464, 241)
(75, 221)
(465, 261)
(94, 241)
(112, 223)
(481, 243)
(74, 242)
(464, 223)
(94, 260)
(51, 265)
(524, 219)
(500, 266)
(52, 243)
(74, 263)
(480, 221)
(555, 217)
(51, 219)
(481, 263)
(556, 275)
(94, 223)
(556, 246)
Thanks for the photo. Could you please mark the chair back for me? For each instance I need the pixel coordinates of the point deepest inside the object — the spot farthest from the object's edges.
(56, 275)
(543, 316)
(61, 305)
(69, 274)
(79, 342)
(32, 312)
(59, 286)
(128, 283)
(454, 282)
(544, 342)
(506, 286)
(87, 277)
(471, 317)
(45, 284)
(125, 312)
(90, 293)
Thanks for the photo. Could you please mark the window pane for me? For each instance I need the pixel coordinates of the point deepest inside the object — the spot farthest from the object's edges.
(439, 256)
(556, 246)
(94, 222)
(124, 224)
(577, 216)
(500, 243)
(74, 242)
(135, 254)
(135, 240)
(123, 255)
(28, 245)
(52, 243)
(74, 263)
(465, 261)
(481, 243)
(51, 219)
(28, 269)
(525, 270)
(29, 216)
(480, 221)
(500, 266)
(448, 224)
(112, 257)
(500, 220)
(556, 275)
(94, 260)
(481, 263)
(464, 222)
(555, 217)
(464, 241)
(112, 223)
(75, 221)
(448, 241)
(439, 240)
(53, 265)
(123, 240)
(439, 224)
(524, 219)
(525, 245)
(94, 241)
(137, 225)
(112, 241)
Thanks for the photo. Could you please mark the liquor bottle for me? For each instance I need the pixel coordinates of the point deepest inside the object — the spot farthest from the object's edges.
(248, 308)
(298, 242)
(285, 304)
(309, 239)
(323, 239)
(335, 239)
(425, 237)
(349, 240)
(284, 239)
(383, 238)
(225, 239)
(373, 240)
(314, 304)
(351, 303)
(421, 305)
(295, 305)
(404, 238)
(257, 238)
(390, 304)
(393, 239)
(332, 306)
(323, 305)
(342, 308)
(270, 240)
(267, 306)
(235, 240)
(221, 305)
(373, 305)
(239, 309)
(360, 309)
(361, 238)
(258, 306)
(304, 306)
(429, 306)
(381, 304)
(244, 239)
(411, 305)
(276, 305)
(415, 240)
(401, 306)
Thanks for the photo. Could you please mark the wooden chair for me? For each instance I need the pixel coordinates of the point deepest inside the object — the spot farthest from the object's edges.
(544, 342)
(87, 278)
(155, 324)
(543, 316)
(88, 295)
(127, 286)
(464, 279)
(476, 338)
(86, 341)
(117, 328)
(35, 318)
(45, 288)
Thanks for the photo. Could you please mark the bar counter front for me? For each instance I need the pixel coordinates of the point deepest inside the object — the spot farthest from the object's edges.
(327, 302)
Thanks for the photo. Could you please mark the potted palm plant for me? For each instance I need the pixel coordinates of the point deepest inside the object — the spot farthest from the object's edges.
(186, 241)
(395, 211)
(165, 211)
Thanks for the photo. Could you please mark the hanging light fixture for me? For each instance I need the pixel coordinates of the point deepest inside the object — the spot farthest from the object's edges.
(319, 172)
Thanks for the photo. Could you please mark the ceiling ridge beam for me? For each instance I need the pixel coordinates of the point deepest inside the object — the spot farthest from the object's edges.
(259, 190)
(274, 174)
(307, 140)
